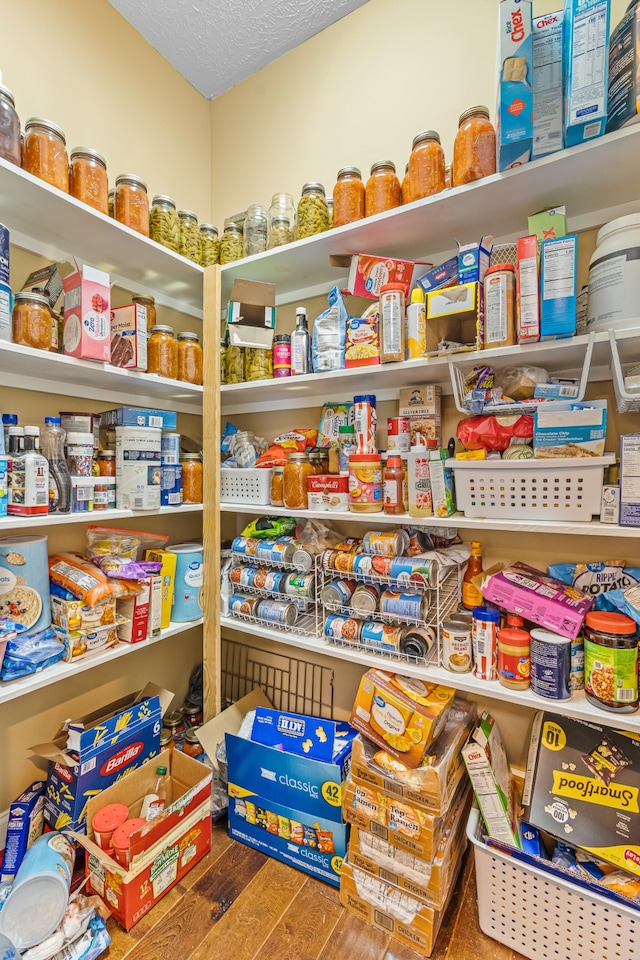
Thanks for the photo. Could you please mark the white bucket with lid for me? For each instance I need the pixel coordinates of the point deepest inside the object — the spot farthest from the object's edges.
(614, 276)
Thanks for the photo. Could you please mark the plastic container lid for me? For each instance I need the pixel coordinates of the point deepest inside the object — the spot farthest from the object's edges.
(10, 419)
(486, 613)
(546, 636)
(108, 818)
(418, 295)
(80, 438)
(514, 637)
(391, 286)
(121, 838)
(365, 457)
(622, 223)
(365, 398)
(611, 623)
(53, 420)
(499, 267)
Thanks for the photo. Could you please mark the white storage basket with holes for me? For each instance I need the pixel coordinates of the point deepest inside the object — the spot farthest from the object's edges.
(563, 489)
(245, 486)
(544, 917)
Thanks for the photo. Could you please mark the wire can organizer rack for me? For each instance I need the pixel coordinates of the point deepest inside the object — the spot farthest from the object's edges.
(245, 486)
(458, 373)
(626, 401)
(306, 563)
(545, 917)
(305, 623)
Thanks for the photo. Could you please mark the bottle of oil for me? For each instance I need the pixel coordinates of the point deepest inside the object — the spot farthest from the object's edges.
(471, 596)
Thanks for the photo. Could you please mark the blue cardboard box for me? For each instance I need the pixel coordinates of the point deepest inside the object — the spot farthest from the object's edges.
(586, 69)
(139, 417)
(297, 733)
(25, 824)
(558, 288)
(514, 115)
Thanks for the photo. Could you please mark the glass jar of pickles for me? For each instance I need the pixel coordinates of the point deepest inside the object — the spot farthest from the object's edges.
(150, 303)
(258, 364)
(348, 197)
(10, 147)
(189, 235)
(112, 204)
(162, 352)
(382, 191)
(255, 230)
(313, 213)
(88, 180)
(296, 470)
(164, 226)
(234, 364)
(191, 477)
(44, 153)
(426, 166)
(209, 245)
(31, 320)
(189, 358)
(132, 203)
(231, 244)
(474, 149)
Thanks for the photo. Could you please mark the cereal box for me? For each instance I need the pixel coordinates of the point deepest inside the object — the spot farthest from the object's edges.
(548, 93)
(586, 69)
(514, 115)
(624, 71)
(87, 324)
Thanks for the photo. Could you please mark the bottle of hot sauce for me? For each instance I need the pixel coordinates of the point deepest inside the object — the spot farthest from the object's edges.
(393, 481)
(471, 596)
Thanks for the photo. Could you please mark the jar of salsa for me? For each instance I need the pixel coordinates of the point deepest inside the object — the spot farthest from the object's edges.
(405, 187)
(191, 477)
(474, 149)
(296, 471)
(164, 226)
(44, 153)
(166, 740)
(132, 203)
(162, 352)
(611, 661)
(189, 358)
(383, 189)
(192, 713)
(313, 212)
(150, 304)
(348, 197)
(174, 723)
(88, 180)
(192, 746)
(31, 320)
(276, 497)
(10, 146)
(107, 463)
(426, 165)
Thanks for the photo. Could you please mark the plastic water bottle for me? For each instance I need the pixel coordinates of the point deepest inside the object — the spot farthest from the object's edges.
(53, 437)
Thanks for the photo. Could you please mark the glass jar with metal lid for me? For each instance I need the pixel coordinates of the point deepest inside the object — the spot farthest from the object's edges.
(276, 498)
(107, 463)
(191, 477)
(132, 203)
(348, 197)
(192, 713)
(192, 746)
(162, 352)
(296, 470)
(426, 165)
(112, 204)
(166, 740)
(382, 191)
(31, 320)
(88, 179)
(164, 225)
(174, 722)
(313, 212)
(231, 243)
(44, 152)
(189, 357)
(474, 148)
(209, 245)
(255, 230)
(282, 209)
(10, 146)
(611, 661)
(280, 232)
(258, 364)
(149, 302)
(189, 235)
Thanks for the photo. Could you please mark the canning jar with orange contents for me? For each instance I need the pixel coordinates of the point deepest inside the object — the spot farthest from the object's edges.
(191, 478)
(88, 179)
(31, 320)
(44, 152)
(162, 352)
(297, 469)
(189, 358)
(132, 203)
(426, 166)
(383, 188)
(348, 197)
(474, 149)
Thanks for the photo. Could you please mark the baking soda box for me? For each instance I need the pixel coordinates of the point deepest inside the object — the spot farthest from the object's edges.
(514, 114)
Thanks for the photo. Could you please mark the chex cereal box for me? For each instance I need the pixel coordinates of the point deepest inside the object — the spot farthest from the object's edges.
(514, 135)
(586, 69)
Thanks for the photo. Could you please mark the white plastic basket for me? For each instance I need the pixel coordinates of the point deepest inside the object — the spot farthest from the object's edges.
(563, 489)
(545, 917)
(245, 486)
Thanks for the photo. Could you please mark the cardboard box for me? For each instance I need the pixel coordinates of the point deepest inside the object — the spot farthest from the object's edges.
(528, 290)
(444, 275)
(362, 348)
(623, 105)
(139, 417)
(586, 69)
(81, 643)
(24, 825)
(87, 755)
(168, 575)
(423, 400)
(154, 620)
(514, 114)
(368, 273)
(129, 331)
(630, 480)
(558, 288)
(87, 324)
(251, 314)
(164, 851)
(557, 389)
(6, 298)
(570, 430)
(403, 715)
(455, 314)
(72, 615)
(548, 224)
(136, 611)
(582, 786)
(434, 782)
(46, 280)
(548, 93)
(443, 491)
(486, 762)
(473, 260)
(610, 504)
(328, 492)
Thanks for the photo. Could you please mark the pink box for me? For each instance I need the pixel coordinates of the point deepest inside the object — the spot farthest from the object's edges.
(533, 595)
(87, 317)
(368, 273)
(136, 609)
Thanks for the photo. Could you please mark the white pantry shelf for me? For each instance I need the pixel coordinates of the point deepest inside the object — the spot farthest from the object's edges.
(15, 522)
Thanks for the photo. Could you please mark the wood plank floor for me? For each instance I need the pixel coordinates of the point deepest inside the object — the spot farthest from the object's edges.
(237, 904)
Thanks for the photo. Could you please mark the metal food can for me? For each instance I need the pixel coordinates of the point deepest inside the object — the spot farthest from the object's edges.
(243, 575)
(365, 599)
(576, 680)
(399, 434)
(300, 585)
(337, 594)
(417, 642)
(170, 447)
(349, 545)
(303, 558)
(457, 649)
(280, 550)
(414, 571)
(243, 605)
(550, 665)
(362, 564)
(386, 543)
(484, 637)
(409, 606)
(337, 560)
(269, 580)
(170, 484)
(245, 545)
(281, 612)
(382, 636)
(339, 627)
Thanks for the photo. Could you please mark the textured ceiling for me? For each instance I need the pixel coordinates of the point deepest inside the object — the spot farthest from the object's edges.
(215, 44)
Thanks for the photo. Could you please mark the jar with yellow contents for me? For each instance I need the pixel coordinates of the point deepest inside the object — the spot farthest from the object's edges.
(258, 364)
(209, 245)
(162, 352)
(192, 480)
(234, 364)
(189, 235)
(296, 471)
(189, 358)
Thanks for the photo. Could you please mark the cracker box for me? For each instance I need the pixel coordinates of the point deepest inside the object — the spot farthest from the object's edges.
(434, 782)
(164, 851)
(558, 288)
(486, 762)
(629, 512)
(129, 336)
(583, 785)
(455, 314)
(135, 611)
(514, 114)
(87, 323)
(368, 273)
(528, 290)
(362, 347)
(89, 754)
(24, 825)
(548, 133)
(623, 105)
(403, 715)
(570, 430)
(586, 69)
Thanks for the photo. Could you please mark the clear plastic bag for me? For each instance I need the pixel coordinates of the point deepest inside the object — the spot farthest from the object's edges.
(329, 335)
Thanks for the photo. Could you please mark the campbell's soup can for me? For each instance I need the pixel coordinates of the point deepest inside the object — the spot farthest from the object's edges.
(243, 605)
(337, 594)
(398, 435)
(407, 606)
(457, 649)
(344, 628)
(386, 543)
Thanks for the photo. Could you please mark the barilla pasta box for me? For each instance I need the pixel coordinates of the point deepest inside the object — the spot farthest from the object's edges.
(91, 753)
(623, 105)
(583, 786)
(87, 316)
(444, 275)
(25, 824)
(514, 115)
(403, 715)
(548, 132)
(586, 69)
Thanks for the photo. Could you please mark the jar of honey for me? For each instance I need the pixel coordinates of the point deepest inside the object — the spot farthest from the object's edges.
(189, 358)
(426, 166)
(164, 226)
(44, 153)
(348, 197)
(150, 304)
(162, 352)
(474, 149)
(191, 477)
(209, 245)
(382, 191)
(31, 320)
(296, 471)
(132, 203)
(10, 146)
(88, 180)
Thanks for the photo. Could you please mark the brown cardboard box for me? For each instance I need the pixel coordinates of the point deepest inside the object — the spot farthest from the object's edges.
(455, 314)
(251, 314)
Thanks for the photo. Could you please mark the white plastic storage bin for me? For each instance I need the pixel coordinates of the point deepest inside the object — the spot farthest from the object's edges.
(545, 917)
(245, 486)
(563, 489)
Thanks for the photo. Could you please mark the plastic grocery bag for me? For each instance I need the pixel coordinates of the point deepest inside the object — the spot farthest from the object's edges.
(329, 335)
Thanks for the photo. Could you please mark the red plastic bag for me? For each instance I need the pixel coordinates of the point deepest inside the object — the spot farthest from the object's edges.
(494, 433)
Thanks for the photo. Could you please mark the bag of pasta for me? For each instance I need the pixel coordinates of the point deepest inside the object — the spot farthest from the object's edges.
(86, 581)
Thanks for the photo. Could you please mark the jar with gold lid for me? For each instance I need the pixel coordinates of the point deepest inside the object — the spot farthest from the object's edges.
(31, 320)
(348, 197)
(164, 225)
(474, 148)
(426, 165)
(189, 358)
(162, 352)
(192, 713)
(132, 203)
(191, 477)
(149, 302)
(107, 463)
(231, 243)
(313, 212)
(297, 468)
(166, 740)
(192, 746)
(44, 152)
(189, 235)
(88, 180)
(209, 245)
(10, 145)
(173, 721)
(382, 191)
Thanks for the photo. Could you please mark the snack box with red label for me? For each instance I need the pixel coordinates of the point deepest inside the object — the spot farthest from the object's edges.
(368, 273)
(163, 851)
(87, 317)
(328, 492)
(91, 753)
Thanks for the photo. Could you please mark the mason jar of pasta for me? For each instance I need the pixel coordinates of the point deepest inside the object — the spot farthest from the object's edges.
(132, 203)
(382, 191)
(313, 213)
(348, 197)
(234, 364)
(474, 149)
(258, 364)
(164, 226)
(44, 153)
(88, 180)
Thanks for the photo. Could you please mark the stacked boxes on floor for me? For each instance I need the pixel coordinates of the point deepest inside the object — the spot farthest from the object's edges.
(407, 821)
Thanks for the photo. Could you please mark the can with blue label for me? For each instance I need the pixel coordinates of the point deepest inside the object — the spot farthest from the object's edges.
(550, 665)
(243, 605)
(413, 571)
(301, 585)
(337, 594)
(188, 582)
(341, 627)
(170, 447)
(382, 636)
(246, 546)
(281, 550)
(170, 484)
(270, 580)
(408, 606)
(281, 612)
(243, 575)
